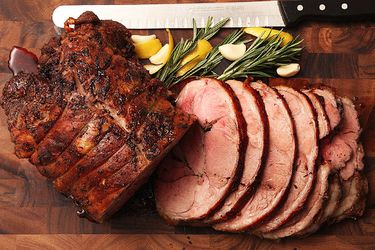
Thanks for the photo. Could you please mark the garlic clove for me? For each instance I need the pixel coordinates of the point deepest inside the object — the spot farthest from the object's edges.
(232, 52)
(152, 68)
(161, 56)
(288, 70)
(142, 39)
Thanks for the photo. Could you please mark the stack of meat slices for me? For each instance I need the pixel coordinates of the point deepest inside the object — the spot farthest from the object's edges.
(275, 162)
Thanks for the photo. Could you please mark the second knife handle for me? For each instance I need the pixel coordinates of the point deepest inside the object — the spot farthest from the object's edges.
(334, 10)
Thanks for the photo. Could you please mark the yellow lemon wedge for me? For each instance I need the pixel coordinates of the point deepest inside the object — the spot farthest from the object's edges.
(258, 31)
(145, 50)
(142, 39)
(194, 57)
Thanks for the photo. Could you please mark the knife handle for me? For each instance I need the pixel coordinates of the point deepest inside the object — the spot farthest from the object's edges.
(333, 10)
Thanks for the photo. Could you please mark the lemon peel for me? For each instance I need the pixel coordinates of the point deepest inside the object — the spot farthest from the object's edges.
(269, 33)
(194, 57)
(145, 50)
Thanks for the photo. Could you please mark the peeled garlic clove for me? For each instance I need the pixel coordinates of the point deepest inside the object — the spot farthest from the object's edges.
(232, 52)
(161, 56)
(142, 39)
(152, 68)
(288, 70)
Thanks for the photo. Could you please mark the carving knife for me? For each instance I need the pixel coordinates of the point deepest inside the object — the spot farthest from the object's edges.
(241, 14)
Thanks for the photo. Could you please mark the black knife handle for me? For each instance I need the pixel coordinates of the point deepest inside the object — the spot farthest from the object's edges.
(332, 10)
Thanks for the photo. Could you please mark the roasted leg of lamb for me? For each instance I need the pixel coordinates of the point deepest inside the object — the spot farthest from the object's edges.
(92, 119)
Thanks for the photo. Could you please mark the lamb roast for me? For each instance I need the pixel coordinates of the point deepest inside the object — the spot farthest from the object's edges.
(92, 119)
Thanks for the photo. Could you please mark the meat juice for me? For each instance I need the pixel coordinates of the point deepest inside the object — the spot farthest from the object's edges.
(20, 59)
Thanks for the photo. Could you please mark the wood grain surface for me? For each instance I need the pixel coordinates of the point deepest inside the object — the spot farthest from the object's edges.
(34, 216)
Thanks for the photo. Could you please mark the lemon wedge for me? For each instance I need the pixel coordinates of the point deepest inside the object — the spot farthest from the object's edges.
(142, 39)
(267, 32)
(232, 52)
(194, 57)
(145, 50)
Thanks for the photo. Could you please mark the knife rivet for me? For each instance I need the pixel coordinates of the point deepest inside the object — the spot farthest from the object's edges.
(344, 6)
(322, 7)
(299, 7)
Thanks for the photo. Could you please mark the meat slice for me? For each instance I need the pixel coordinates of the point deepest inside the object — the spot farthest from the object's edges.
(75, 116)
(322, 117)
(332, 105)
(308, 215)
(330, 206)
(257, 131)
(307, 152)
(335, 196)
(353, 203)
(278, 168)
(198, 175)
(343, 151)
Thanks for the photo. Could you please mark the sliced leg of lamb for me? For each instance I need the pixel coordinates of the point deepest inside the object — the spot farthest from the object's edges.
(278, 169)
(323, 121)
(343, 150)
(257, 131)
(311, 210)
(203, 169)
(329, 207)
(353, 202)
(332, 105)
(307, 152)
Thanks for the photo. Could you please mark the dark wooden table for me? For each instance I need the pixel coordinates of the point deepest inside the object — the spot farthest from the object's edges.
(33, 215)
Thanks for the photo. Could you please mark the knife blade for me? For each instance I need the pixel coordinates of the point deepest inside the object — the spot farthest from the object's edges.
(157, 16)
(241, 14)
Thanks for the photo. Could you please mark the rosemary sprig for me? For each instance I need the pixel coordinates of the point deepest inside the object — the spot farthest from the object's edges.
(262, 58)
(168, 73)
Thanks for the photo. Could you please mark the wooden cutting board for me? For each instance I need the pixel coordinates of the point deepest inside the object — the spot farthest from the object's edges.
(33, 215)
